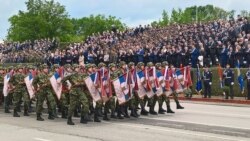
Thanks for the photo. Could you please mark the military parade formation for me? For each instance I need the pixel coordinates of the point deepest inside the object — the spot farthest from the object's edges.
(116, 91)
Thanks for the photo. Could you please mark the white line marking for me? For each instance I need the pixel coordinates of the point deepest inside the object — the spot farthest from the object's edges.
(218, 114)
(196, 123)
(181, 132)
(40, 139)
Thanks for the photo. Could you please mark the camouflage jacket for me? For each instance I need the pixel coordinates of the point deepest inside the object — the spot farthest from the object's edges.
(42, 80)
(17, 80)
(77, 79)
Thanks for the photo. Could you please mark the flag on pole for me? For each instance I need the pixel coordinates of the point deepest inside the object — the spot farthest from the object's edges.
(28, 81)
(121, 89)
(91, 83)
(240, 78)
(6, 84)
(142, 86)
(55, 81)
(198, 83)
(220, 73)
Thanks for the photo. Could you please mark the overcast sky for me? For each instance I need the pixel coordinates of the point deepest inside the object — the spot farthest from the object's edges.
(131, 12)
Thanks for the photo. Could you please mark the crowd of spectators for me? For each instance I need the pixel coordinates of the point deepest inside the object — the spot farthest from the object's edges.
(212, 43)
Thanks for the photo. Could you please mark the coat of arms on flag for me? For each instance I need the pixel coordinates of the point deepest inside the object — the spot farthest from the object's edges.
(91, 83)
(121, 89)
(167, 90)
(28, 81)
(55, 81)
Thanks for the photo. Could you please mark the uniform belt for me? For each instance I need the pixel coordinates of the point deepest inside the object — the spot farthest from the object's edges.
(228, 77)
(206, 79)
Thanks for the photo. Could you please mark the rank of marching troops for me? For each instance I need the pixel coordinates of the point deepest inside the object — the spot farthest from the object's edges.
(104, 91)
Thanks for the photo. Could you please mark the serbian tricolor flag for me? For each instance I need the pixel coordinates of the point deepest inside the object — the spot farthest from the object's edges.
(132, 82)
(6, 84)
(141, 91)
(28, 81)
(105, 84)
(166, 77)
(122, 89)
(177, 77)
(92, 83)
(152, 80)
(55, 81)
(160, 82)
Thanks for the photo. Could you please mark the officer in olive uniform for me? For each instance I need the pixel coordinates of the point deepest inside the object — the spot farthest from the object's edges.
(207, 81)
(19, 91)
(248, 83)
(43, 90)
(228, 76)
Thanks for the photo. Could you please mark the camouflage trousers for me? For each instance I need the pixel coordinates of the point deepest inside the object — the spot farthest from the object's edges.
(18, 94)
(78, 95)
(42, 95)
(65, 99)
(110, 104)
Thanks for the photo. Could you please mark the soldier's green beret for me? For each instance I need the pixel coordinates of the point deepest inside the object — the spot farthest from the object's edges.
(130, 64)
(140, 64)
(43, 66)
(101, 65)
(122, 63)
(67, 66)
(150, 64)
(164, 63)
(112, 65)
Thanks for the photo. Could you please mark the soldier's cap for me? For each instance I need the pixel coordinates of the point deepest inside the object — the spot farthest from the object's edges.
(75, 66)
(20, 67)
(30, 67)
(112, 65)
(44, 66)
(87, 66)
(140, 64)
(66, 66)
(1, 68)
(101, 65)
(122, 63)
(150, 64)
(56, 66)
(164, 63)
(157, 65)
(93, 65)
(10, 67)
(130, 64)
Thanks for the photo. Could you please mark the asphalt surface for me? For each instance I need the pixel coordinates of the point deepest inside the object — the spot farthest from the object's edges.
(197, 122)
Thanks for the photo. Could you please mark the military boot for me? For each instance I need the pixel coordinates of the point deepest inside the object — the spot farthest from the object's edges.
(51, 117)
(169, 110)
(70, 122)
(39, 118)
(15, 114)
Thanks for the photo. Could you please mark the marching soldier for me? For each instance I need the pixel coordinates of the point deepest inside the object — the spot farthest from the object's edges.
(114, 73)
(165, 98)
(140, 67)
(19, 92)
(7, 99)
(207, 81)
(248, 83)
(2, 74)
(77, 94)
(43, 89)
(134, 86)
(228, 76)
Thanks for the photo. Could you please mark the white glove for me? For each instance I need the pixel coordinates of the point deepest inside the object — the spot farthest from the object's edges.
(210, 83)
(232, 83)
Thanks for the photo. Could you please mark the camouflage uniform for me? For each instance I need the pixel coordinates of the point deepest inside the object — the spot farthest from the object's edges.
(42, 82)
(139, 101)
(77, 94)
(1, 84)
(8, 98)
(65, 98)
(132, 102)
(110, 104)
(19, 92)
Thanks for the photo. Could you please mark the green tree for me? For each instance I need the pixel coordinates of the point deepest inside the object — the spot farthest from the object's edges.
(42, 19)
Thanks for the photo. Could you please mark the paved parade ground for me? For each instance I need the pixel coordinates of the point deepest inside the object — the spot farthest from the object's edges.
(197, 122)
